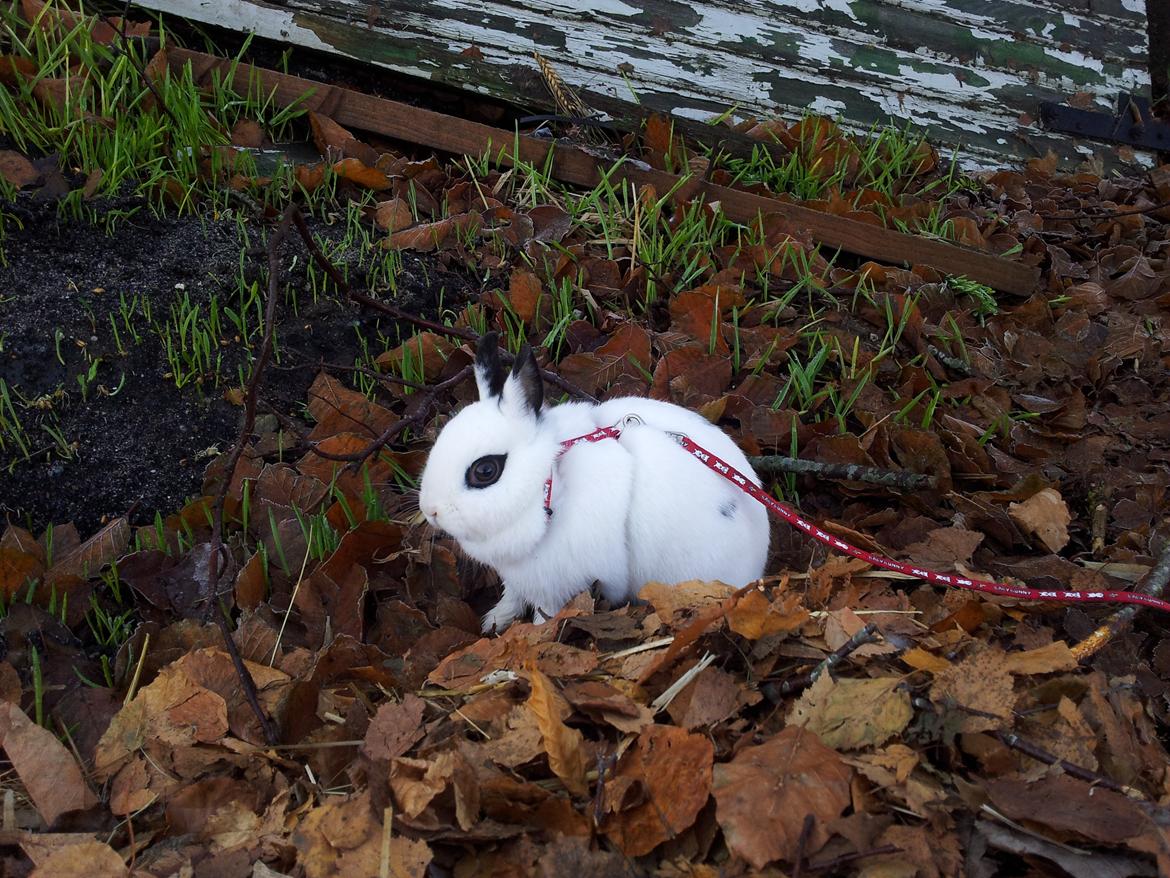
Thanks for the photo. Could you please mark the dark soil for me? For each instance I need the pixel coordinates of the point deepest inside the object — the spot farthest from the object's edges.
(145, 447)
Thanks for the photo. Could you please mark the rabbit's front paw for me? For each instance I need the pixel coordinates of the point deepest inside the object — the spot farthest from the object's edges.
(498, 618)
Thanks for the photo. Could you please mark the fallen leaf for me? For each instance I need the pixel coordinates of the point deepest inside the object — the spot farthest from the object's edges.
(1065, 804)
(395, 728)
(849, 714)
(342, 837)
(91, 859)
(755, 616)
(17, 170)
(980, 688)
(763, 795)
(524, 294)
(1056, 656)
(565, 746)
(46, 769)
(672, 768)
(1045, 515)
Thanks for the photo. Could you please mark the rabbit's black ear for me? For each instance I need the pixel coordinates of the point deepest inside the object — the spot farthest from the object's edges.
(523, 392)
(489, 374)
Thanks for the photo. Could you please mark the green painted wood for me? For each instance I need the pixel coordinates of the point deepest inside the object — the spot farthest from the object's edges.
(972, 72)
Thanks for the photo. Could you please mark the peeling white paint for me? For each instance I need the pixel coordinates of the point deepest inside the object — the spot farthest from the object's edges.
(827, 107)
(721, 60)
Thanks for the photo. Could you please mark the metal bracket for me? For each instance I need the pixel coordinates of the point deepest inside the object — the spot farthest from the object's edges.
(1133, 123)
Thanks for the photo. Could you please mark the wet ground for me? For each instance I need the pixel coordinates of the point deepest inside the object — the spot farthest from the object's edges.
(100, 440)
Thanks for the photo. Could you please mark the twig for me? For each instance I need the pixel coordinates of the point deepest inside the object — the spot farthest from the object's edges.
(246, 681)
(387, 824)
(1108, 213)
(249, 407)
(806, 830)
(394, 430)
(405, 316)
(849, 858)
(774, 692)
(1011, 739)
(605, 763)
(1154, 585)
(120, 27)
(850, 472)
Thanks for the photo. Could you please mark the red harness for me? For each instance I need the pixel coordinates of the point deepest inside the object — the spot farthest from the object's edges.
(789, 515)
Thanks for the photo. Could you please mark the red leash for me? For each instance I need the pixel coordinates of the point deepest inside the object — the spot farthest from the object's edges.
(789, 515)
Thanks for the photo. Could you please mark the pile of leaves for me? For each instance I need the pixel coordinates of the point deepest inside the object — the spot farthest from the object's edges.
(831, 720)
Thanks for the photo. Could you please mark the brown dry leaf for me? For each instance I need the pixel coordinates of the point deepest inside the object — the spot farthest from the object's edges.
(17, 568)
(1045, 515)
(395, 728)
(437, 793)
(764, 793)
(14, 69)
(945, 547)
(333, 141)
(17, 170)
(61, 94)
(427, 348)
(755, 616)
(524, 294)
(46, 769)
(689, 375)
(107, 545)
(1065, 805)
(437, 235)
(980, 687)
(712, 697)
(342, 837)
(672, 770)
(679, 604)
(1056, 656)
(518, 743)
(338, 409)
(310, 177)
(357, 171)
(393, 215)
(91, 859)
(692, 311)
(850, 714)
(247, 133)
(565, 746)
(843, 624)
(337, 472)
(550, 222)
(170, 713)
(251, 587)
(921, 660)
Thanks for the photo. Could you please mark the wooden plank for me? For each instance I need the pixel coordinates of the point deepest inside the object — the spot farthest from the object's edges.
(978, 86)
(450, 134)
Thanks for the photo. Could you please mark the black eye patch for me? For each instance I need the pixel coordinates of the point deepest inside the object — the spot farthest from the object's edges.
(485, 471)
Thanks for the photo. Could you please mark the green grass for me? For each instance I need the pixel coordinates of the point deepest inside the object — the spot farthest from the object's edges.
(108, 125)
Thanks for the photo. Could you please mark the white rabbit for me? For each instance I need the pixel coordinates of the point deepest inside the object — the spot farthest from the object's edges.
(624, 512)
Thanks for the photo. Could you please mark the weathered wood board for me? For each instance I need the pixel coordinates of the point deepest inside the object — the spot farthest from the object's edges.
(971, 72)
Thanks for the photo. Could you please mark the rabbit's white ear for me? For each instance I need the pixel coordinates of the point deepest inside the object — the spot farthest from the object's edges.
(523, 392)
(489, 375)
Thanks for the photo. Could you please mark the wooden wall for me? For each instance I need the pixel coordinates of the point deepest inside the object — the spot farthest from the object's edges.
(970, 71)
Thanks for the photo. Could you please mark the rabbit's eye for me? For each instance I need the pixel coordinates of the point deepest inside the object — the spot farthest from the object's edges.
(486, 471)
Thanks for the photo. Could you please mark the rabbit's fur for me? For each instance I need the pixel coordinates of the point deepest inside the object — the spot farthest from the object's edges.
(624, 512)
